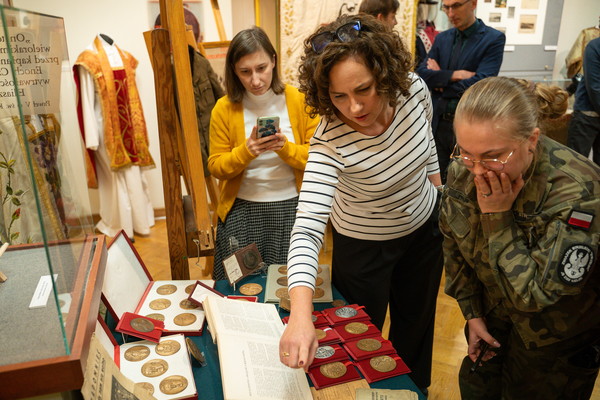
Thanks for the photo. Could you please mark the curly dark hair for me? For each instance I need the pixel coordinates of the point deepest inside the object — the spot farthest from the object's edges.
(380, 49)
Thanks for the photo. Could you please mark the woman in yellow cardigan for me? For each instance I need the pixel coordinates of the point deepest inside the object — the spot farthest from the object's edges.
(260, 177)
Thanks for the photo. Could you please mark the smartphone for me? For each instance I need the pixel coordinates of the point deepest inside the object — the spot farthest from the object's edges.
(266, 126)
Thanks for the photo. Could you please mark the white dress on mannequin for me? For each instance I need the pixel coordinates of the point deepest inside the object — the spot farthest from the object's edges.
(124, 194)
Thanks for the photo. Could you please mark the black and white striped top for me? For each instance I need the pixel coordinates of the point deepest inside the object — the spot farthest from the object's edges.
(374, 187)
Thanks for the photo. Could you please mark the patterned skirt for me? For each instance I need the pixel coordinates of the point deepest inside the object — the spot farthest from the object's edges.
(267, 224)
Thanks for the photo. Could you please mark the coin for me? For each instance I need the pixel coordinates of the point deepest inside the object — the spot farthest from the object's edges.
(383, 363)
(250, 259)
(187, 305)
(324, 352)
(282, 293)
(195, 351)
(282, 281)
(148, 386)
(319, 281)
(314, 318)
(282, 269)
(166, 289)
(167, 347)
(189, 288)
(159, 304)
(346, 312)
(368, 344)
(356, 328)
(251, 289)
(156, 316)
(333, 370)
(184, 319)
(318, 293)
(154, 368)
(319, 270)
(141, 325)
(338, 303)
(173, 384)
(136, 353)
(320, 334)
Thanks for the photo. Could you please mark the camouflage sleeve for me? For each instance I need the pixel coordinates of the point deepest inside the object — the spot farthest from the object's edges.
(535, 273)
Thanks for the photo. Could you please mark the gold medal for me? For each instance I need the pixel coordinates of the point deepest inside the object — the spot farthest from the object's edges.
(356, 328)
(194, 350)
(154, 368)
(319, 270)
(156, 316)
(383, 363)
(173, 384)
(189, 288)
(159, 304)
(282, 270)
(368, 344)
(286, 304)
(282, 281)
(141, 325)
(320, 334)
(319, 281)
(250, 289)
(136, 353)
(187, 305)
(333, 370)
(282, 293)
(338, 303)
(166, 289)
(167, 347)
(148, 386)
(184, 319)
(318, 293)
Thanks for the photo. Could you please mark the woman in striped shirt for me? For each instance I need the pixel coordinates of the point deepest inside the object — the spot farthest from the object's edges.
(373, 169)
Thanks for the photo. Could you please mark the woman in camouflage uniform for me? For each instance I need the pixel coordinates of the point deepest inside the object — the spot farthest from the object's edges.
(521, 220)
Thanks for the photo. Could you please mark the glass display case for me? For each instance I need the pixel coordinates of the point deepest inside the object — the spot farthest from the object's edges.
(53, 265)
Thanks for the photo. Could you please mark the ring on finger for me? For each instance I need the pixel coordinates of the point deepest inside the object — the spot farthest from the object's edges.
(285, 354)
(486, 195)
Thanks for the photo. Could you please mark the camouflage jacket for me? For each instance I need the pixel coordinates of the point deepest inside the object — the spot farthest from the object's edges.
(537, 261)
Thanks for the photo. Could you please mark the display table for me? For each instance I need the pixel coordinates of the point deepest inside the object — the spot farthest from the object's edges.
(208, 379)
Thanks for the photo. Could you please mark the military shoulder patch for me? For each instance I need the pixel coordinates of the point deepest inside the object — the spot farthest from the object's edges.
(576, 262)
(580, 219)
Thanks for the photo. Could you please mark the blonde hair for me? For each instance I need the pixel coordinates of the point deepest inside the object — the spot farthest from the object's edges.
(517, 103)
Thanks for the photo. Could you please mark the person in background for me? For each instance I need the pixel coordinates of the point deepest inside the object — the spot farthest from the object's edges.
(459, 57)
(383, 10)
(584, 128)
(520, 216)
(372, 168)
(260, 176)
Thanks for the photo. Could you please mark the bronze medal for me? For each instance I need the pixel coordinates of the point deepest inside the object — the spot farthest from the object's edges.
(250, 259)
(136, 353)
(154, 368)
(333, 370)
(383, 363)
(368, 344)
(318, 293)
(189, 288)
(286, 305)
(166, 289)
(173, 384)
(324, 352)
(148, 386)
(282, 293)
(282, 281)
(167, 347)
(184, 319)
(338, 303)
(187, 305)
(156, 316)
(319, 281)
(282, 270)
(319, 270)
(141, 325)
(356, 328)
(194, 350)
(320, 334)
(250, 289)
(346, 312)
(159, 304)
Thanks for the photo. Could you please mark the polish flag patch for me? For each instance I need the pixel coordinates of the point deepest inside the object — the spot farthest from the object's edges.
(580, 219)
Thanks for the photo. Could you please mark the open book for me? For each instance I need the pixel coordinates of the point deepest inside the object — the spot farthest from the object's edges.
(247, 336)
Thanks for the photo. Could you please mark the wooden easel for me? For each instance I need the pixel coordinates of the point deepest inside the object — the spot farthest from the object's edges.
(189, 233)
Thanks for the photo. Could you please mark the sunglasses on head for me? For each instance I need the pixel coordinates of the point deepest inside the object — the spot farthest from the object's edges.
(345, 33)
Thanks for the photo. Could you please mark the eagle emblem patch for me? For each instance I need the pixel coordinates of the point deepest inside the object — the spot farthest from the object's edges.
(576, 262)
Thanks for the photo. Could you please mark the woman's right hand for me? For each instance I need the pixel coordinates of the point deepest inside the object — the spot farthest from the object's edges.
(478, 334)
(257, 146)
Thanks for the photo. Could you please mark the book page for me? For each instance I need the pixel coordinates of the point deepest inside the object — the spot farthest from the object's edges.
(250, 369)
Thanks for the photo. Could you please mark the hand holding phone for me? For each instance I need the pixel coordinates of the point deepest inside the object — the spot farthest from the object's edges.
(266, 126)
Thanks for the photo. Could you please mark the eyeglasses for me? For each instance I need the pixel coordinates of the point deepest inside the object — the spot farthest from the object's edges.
(345, 33)
(454, 7)
(492, 164)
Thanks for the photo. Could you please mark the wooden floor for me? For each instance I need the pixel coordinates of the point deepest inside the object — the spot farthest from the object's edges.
(449, 346)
